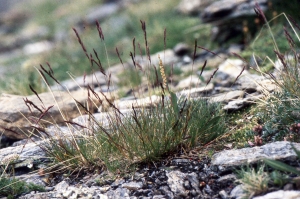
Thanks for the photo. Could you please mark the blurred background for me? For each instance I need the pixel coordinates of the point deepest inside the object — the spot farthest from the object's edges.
(33, 32)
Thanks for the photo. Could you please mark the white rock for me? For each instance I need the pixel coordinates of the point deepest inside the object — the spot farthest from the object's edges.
(133, 185)
(196, 92)
(233, 67)
(275, 150)
(229, 96)
(280, 195)
(191, 81)
(175, 181)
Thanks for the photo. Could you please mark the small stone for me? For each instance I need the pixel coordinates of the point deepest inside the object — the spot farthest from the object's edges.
(181, 49)
(62, 186)
(67, 193)
(237, 192)
(223, 194)
(187, 185)
(102, 196)
(288, 187)
(133, 185)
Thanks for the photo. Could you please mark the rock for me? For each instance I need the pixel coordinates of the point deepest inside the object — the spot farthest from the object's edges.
(266, 85)
(241, 103)
(276, 150)
(233, 67)
(191, 81)
(97, 79)
(237, 192)
(192, 7)
(133, 185)
(229, 96)
(196, 92)
(181, 49)
(37, 47)
(176, 181)
(235, 48)
(230, 17)
(167, 56)
(194, 181)
(249, 83)
(223, 194)
(139, 103)
(16, 120)
(119, 193)
(280, 194)
(28, 155)
(227, 9)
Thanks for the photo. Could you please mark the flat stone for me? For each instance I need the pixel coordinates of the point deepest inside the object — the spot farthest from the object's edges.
(17, 119)
(133, 185)
(97, 79)
(266, 85)
(241, 103)
(23, 155)
(229, 96)
(280, 195)
(196, 92)
(139, 103)
(228, 9)
(276, 151)
(233, 67)
(191, 81)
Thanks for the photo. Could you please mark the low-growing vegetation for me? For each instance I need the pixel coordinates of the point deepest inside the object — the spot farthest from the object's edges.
(12, 187)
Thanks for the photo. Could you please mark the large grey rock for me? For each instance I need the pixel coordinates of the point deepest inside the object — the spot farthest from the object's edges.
(229, 96)
(27, 155)
(151, 101)
(280, 195)
(241, 103)
(228, 9)
(276, 150)
(196, 92)
(249, 82)
(233, 67)
(266, 86)
(97, 79)
(228, 16)
(191, 81)
(17, 118)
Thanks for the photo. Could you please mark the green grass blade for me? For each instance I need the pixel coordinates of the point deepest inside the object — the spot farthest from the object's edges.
(174, 104)
(281, 166)
(296, 151)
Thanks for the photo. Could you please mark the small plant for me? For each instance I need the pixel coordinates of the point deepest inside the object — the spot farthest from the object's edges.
(279, 179)
(254, 182)
(11, 187)
(168, 124)
(280, 109)
(282, 166)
